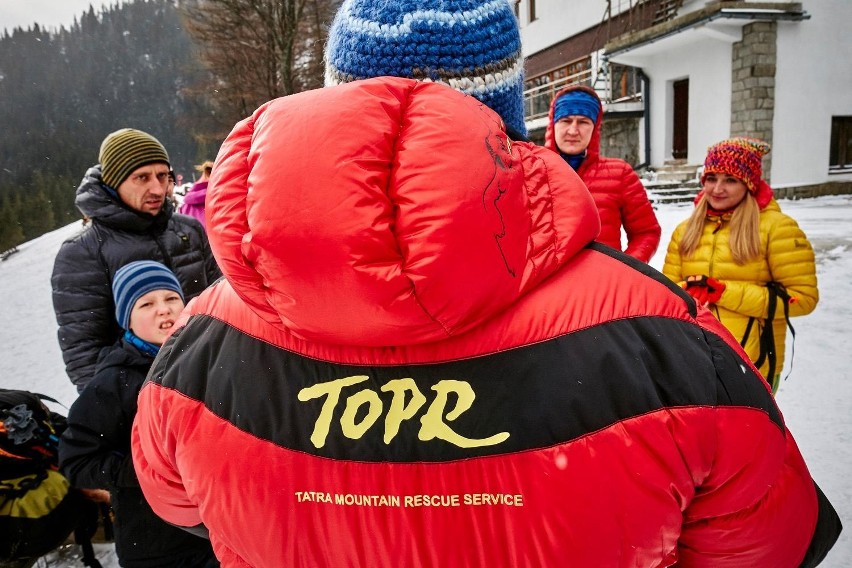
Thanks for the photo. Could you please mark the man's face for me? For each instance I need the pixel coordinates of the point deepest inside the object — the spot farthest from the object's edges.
(573, 134)
(146, 188)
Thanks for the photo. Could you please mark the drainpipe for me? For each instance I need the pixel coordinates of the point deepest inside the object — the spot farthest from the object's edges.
(646, 115)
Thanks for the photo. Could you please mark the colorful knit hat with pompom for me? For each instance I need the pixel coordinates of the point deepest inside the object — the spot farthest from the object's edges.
(740, 158)
(473, 46)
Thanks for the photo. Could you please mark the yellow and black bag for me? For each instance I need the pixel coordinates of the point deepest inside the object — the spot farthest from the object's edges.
(38, 507)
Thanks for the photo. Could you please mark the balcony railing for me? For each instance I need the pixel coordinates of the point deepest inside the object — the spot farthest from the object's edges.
(537, 99)
(615, 84)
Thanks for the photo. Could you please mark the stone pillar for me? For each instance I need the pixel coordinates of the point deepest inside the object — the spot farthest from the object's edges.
(753, 85)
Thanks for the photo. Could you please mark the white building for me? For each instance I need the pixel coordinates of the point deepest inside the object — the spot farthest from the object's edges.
(679, 75)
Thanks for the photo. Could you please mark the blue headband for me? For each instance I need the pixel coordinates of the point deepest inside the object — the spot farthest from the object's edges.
(577, 103)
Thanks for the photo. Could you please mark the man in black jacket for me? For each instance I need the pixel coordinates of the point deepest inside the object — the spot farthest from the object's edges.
(124, 197)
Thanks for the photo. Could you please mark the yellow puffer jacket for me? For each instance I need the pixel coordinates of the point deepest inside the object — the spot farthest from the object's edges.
(786, 257)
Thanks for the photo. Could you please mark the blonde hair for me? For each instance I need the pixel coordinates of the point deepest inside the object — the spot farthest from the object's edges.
(745, 230)
(205, 167)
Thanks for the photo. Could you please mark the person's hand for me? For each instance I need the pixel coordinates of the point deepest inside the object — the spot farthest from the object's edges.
(96, 495)
(704, 289)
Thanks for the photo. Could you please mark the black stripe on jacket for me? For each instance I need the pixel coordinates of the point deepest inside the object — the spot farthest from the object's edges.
(525, 398)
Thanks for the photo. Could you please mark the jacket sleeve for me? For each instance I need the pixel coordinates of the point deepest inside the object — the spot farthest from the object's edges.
(194, 264)
(791, 524)
(82, 302)
(756, 503)
(790, 257)
(638, 218)
(211, 268)
(93, 452)
(154, 458)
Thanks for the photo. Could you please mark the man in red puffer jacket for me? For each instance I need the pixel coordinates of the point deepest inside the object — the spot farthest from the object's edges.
(574, 130)
(419, 357)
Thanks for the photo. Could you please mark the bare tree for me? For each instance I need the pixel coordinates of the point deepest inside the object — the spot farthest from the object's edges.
(314, 24)
(257, 50)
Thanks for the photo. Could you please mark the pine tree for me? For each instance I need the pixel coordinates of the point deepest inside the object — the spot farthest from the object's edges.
(61, 93)
(35, 214)
(11, 233)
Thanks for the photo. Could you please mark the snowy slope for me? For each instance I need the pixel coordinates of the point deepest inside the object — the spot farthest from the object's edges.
(816, 399)
(31, 357)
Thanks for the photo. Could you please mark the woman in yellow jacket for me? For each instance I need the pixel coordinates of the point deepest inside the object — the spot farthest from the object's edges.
(743, 258)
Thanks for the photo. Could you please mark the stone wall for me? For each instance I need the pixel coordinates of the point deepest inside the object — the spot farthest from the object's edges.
(753, 84)
(620, 139)
(536, 136)
(816, 190)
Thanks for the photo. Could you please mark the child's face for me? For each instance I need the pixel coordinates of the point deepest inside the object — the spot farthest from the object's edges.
(154, 315)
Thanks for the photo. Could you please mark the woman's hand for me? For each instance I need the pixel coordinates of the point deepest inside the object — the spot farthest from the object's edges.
(704, 289)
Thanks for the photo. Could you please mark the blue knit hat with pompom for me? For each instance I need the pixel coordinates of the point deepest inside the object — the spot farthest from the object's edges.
(472, 46)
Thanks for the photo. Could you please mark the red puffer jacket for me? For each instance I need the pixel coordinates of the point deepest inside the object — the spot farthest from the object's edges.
(418, 359)
(619, 194)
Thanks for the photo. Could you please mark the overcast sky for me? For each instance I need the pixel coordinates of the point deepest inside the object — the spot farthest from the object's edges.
(47, 13)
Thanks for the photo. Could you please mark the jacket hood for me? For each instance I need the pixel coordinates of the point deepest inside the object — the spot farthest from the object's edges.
(594, 148)
(95, 201)
(388, 212)
(196, 194)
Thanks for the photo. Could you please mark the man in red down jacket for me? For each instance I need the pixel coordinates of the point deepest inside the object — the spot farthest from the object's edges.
(418, 357)
(574, 130)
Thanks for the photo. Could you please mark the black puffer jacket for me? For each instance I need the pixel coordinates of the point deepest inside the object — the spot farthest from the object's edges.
(95, 454)
(86, 263)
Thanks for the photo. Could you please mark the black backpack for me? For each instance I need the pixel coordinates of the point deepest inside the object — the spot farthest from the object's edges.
(38, 507)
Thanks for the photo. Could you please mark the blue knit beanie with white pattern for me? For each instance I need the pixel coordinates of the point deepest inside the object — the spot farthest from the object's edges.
(472, 46)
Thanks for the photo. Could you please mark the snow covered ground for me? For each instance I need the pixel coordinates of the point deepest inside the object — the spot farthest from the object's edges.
(816, 399)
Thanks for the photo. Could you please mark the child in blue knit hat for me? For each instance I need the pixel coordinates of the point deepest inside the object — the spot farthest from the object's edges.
(148, 298)
(94, 451)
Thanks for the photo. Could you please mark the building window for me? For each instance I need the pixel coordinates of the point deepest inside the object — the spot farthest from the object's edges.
(625, 82)
(840, 156)
(532, 10)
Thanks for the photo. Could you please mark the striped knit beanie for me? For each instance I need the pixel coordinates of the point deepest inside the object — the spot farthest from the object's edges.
(126, 150)
(134, 280)
(473, 46)
(740, 158)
